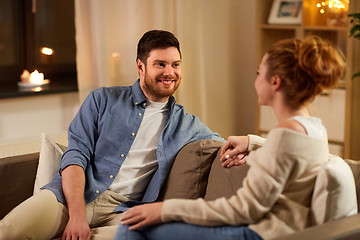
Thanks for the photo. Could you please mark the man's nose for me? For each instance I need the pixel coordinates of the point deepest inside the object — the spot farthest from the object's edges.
(168, 71)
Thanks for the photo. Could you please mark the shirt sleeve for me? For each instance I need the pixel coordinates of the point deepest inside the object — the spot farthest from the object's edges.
(204, 132)
(82, 134)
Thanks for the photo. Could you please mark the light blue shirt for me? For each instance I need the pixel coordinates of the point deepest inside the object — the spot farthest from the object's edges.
(102, 132)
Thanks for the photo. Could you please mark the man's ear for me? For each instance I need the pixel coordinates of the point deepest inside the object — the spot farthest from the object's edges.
(140, 66)
(276, 82)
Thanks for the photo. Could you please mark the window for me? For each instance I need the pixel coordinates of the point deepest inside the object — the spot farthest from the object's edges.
(26, 28)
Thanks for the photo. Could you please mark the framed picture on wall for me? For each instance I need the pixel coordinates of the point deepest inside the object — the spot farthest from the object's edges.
(286, 12)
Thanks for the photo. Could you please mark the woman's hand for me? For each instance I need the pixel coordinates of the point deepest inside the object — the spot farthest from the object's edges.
(234, 151)
(143, 215)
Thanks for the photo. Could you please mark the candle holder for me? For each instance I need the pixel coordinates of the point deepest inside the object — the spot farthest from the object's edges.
(33, 80)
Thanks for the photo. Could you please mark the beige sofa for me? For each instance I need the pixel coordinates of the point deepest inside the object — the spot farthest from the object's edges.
(197, 172)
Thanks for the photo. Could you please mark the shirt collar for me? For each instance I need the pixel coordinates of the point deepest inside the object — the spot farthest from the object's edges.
(138, 93)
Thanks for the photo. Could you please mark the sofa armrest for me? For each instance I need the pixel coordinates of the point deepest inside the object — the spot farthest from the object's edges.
(17, 177)
(345, 228)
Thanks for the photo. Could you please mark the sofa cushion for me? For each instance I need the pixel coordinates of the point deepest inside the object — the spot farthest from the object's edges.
(189, 173)
(224, 182)
(49, 161)
(334, 194)
(17, 175)
(355, 167)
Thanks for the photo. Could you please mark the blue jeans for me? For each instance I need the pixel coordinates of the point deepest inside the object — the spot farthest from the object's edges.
(181, 231)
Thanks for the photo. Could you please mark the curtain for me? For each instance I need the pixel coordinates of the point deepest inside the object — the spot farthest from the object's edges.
(215, 74)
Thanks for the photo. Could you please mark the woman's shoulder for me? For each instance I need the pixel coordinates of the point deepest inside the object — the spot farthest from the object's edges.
(289, 142)
(293, 125)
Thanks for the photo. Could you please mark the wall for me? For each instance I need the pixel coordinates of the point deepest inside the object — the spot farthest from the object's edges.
(224, 67)
(25, 118)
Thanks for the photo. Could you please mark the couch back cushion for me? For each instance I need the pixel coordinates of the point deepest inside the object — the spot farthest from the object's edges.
(334, 194)
(189, 174)
(224, 182)
(355, 167)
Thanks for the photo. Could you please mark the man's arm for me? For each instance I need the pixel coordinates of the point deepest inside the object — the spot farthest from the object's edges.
(73, 181)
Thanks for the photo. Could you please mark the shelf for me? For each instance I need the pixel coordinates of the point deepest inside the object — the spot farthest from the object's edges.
(55, 86)
(280, 26)
(326, 28)
(305, 27)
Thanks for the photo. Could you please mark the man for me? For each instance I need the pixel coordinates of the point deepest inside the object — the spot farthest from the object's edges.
(122, 144)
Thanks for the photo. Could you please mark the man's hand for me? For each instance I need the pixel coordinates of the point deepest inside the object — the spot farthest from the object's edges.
(143, 215)
(234, 151)
(77, 229)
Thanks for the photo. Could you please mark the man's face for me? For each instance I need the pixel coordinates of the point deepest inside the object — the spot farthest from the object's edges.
(162, 74)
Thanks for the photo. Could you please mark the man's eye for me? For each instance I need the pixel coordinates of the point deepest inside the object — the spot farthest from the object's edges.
(175, 65)
(160, 64)
(257, 73)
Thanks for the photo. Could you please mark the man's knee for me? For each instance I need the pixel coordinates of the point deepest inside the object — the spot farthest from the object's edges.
(38, 217)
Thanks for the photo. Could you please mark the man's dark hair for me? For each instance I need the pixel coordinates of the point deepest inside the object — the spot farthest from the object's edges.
(155, 39)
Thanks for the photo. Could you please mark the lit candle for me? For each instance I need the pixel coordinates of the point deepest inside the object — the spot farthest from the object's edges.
(25, 76)
(36, 77)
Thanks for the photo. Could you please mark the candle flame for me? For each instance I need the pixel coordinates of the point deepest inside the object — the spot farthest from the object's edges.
(36, 77)
(47, 51)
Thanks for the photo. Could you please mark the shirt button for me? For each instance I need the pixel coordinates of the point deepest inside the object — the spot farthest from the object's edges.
(133, 134)
(140, 114)
(136, 103)
(111, 176)
(97, 191)
(144, 104)
(122, 155)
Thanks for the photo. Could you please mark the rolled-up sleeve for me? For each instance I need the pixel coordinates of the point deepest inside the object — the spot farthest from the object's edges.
(83, 132)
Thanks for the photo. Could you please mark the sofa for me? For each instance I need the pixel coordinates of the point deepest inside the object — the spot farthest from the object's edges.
(196, 172)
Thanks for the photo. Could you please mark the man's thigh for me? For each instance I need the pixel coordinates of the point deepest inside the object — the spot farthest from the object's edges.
(39, 217)
(101, 216)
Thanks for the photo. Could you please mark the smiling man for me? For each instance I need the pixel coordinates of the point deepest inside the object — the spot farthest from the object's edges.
(160, 74)
(122, 144)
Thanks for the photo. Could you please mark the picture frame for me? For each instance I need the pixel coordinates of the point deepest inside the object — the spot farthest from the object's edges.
(286, 12)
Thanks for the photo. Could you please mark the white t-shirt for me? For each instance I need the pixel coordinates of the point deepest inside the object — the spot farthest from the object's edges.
(313, 126)
(141, 162)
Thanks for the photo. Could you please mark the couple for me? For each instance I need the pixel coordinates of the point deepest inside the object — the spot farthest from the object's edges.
(110, 164)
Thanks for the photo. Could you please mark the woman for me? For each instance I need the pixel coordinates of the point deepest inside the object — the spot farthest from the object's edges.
(276, 194)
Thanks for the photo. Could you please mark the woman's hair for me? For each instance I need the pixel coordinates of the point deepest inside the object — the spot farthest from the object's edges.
(306, 67)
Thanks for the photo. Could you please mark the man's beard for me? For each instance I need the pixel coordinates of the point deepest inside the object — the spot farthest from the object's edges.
(151, 86)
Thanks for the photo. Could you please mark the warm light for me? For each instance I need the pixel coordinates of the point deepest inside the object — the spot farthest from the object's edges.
(36, 77)
(37, 89)
(333, 5)
(47, 51)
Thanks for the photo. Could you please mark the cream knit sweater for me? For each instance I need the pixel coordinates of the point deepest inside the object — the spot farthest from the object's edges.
(276, 194)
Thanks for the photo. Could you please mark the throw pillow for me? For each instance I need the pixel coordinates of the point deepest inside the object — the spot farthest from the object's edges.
(49, 161)
(224, 182)
(189, 173)
(334, 194)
